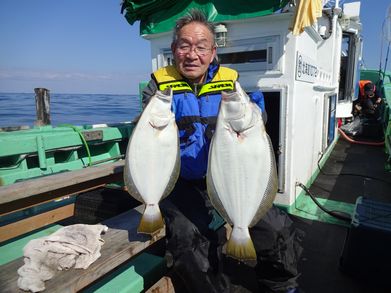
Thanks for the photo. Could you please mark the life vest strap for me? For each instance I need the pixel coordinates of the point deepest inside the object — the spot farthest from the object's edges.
(209, 88)
(216, 87)
(176, 86)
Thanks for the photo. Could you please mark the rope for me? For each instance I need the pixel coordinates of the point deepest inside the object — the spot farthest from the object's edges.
(82, 139)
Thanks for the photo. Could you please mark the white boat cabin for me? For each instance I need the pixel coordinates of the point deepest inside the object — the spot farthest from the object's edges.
(307, 80)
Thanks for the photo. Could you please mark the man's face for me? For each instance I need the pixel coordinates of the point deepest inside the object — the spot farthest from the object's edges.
(193, 51)
(369, 94)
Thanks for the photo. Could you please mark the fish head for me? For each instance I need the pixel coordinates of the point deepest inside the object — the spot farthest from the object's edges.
(161, 113)
(236, 109)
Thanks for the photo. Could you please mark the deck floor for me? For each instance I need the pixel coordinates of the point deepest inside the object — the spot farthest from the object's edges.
(354, 169)
(361, 172)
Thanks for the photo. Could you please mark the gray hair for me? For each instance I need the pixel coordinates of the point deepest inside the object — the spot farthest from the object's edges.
(194, 15)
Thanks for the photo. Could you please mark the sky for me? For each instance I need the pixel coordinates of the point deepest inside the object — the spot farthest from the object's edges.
(87, 46)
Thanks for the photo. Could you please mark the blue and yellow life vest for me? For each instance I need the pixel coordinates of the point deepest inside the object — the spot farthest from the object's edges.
(195, 114)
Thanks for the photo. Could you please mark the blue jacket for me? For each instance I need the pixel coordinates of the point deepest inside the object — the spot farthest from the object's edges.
(196, 112)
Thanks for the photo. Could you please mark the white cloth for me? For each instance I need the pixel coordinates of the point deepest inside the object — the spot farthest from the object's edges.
(75, 245)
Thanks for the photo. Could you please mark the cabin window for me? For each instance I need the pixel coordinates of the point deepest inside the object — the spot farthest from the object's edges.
(167, 58)
(252, 54)
(329, 120)
(243, 57)
(270, 55)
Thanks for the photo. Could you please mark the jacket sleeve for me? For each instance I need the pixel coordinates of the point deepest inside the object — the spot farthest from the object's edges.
(258, 98)
(148, 92)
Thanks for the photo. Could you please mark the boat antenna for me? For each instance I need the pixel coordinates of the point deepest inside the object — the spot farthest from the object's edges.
(386, 35)
(381, 52)
(388, 51)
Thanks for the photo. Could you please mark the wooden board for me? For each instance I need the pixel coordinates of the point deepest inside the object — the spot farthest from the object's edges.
(48, 183)
(31, 192)
(164, 285)
(121, 243)
(29, 224)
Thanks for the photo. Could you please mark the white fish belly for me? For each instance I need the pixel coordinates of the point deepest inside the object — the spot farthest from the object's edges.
(240, 168)
(152, 157)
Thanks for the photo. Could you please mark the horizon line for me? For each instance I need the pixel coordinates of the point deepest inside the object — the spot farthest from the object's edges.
(62, 93)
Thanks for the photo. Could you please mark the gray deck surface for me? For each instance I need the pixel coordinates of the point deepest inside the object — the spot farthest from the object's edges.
(361, 173)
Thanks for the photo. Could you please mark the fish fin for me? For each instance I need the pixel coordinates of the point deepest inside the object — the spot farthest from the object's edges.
(240, 246)
(212, 192)
(151, 220)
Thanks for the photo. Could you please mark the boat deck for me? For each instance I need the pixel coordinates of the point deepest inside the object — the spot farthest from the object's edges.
(354, 170)
(351, 171)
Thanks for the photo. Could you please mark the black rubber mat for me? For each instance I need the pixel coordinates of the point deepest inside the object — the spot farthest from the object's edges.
(354, 170)
(351, 171)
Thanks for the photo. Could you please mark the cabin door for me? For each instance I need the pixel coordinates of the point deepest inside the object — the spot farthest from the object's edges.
(273, 128)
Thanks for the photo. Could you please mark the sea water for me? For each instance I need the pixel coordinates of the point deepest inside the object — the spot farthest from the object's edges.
(77, 109)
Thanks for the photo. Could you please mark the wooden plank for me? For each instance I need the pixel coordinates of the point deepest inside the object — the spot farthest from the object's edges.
(164, 285)
(56, 181)
(58, 194)
(27, 225)
(44, 189)
(121, 243)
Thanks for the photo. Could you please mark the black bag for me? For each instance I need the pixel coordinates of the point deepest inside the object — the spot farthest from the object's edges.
(354, 128)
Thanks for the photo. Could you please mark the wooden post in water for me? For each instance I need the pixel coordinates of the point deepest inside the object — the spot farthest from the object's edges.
(42, 105)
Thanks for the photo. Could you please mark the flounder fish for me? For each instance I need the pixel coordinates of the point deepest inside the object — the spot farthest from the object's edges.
(152, 161)
(241, 176)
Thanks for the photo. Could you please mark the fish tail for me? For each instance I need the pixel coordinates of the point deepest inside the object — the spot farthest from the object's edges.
(240, 246)
(151, 220)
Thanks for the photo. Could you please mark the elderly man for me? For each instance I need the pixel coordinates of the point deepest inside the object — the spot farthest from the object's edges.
(194, 249)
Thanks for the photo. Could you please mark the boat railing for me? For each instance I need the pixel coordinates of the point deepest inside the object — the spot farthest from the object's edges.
(124, 251)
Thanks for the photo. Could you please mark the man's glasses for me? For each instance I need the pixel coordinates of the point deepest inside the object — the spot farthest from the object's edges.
(199, 50)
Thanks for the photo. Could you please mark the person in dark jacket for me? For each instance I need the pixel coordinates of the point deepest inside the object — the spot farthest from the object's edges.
(368, 102)
(194, 244)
